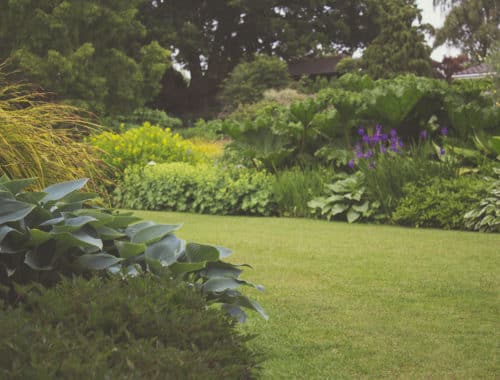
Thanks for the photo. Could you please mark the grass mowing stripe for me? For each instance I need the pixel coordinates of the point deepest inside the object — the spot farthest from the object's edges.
(364, 301)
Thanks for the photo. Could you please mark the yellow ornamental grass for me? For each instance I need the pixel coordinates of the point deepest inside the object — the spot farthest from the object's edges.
(41, 139)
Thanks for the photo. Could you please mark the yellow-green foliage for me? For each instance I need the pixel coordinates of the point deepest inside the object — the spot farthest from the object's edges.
(144, 144)
(212, 150)
(40, 139)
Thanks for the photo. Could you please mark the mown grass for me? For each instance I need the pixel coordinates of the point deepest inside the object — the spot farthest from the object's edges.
(364, 301)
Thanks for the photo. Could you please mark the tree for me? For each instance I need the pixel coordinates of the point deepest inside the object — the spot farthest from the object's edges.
(89, 53)
(248, 81)
(400, 46)
(471, 25)
(209, 38)
(451, 65)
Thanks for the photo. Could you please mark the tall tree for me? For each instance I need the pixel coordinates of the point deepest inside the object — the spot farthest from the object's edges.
(471, 25)
(91, 53)
(400, 46)
(210, 37)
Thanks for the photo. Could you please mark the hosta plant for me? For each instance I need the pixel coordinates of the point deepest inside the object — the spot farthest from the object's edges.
(347, 198)
(486, 217)
(48, 234)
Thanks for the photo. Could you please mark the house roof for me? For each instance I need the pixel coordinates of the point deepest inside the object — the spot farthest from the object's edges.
(478, 71)
(312, 66)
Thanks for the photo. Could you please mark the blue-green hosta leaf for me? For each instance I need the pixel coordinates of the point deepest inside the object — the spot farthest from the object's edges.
(73, 224)
(199, 252)
(153, 233)
(31, 197)
(316, 203)
(5, 195)
(219, 269)
(181, 268)
(13, 211)
(235, 311)
(16, 185)
(352, 216)
(127, 249)
(234, 297)
(79, 197)
(98, 261)
(38, 237)
(134, 228)
(39, 259)
(5, 230)
(79, 239)
(120, 221)
(223, 251)
(221, 284)
(106, 233)
(166, 251)
(60, 190)
(52, 222)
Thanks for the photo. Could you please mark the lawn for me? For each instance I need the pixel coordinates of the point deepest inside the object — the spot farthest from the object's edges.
(364, 301)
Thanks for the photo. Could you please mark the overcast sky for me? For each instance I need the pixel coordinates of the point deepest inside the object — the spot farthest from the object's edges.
(436, 18)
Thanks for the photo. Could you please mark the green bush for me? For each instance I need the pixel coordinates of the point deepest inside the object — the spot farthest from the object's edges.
(144, 144)
(248, 80)
(135, 328)
(439, 203)
(48, 234)
(141, 116)
(205, 130)
(201, 188)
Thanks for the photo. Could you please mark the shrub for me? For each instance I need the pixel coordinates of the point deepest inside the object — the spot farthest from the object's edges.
(204, 130)
(248, 80)
(48, 234)
(347, 198)
(142, 115)
(42, 139)
(486, 217)
(200, 188)
(135, 328)
(439, 203)
(295, 187)
(144, 144)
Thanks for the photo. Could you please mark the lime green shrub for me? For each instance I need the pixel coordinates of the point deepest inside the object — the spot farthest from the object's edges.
(135, 328)
(196, 188)
(144, 144)
(439, 203)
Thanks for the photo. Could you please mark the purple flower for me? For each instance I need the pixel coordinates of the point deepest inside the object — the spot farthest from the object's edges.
(383, 149)
(366, 139)
(442, 151)
(423, 135)
(361, 131)
(394, 148)
(400, 143)
(368, 154)
(375, 138)
(383, 137)
(394, 133)
(359, 154)
(378, 129)
(351, 163)
(444, 131)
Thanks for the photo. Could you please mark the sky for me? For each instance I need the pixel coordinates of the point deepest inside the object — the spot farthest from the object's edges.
(435, 17)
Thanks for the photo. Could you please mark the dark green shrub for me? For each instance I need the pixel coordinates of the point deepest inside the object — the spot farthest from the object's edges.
(202, 189)
(49, 234)
(439, 203)
(248, 80)
(143, 115)
(145, 327)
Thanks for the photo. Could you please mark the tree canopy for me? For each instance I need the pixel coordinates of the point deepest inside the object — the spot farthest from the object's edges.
(471, 25)
(91, 53)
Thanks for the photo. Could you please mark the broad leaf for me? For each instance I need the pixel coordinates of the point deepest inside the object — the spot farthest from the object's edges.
(13, 211)
(220, 284)
(181, 268)
(200, 252)
(60, 190)
(16, 185)
(97, 262)
(106, 233)
(5, 230)
(153, 233)
(39, 259)
(128, 250)
(352, 216)
(73, 224)
(166, 251)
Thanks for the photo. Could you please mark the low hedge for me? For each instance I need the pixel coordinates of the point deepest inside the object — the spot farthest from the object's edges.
(439, 203)
(196, 188)
(135, 328)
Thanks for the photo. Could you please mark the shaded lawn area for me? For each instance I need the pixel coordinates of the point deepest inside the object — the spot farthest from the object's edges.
(364, 301)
